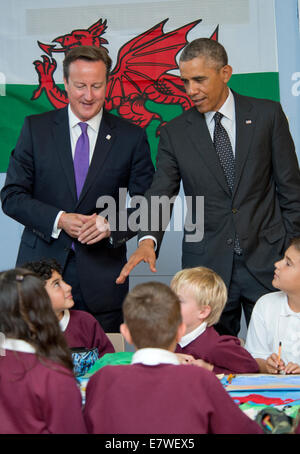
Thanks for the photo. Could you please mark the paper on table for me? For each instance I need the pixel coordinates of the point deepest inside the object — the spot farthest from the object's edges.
(263, 382)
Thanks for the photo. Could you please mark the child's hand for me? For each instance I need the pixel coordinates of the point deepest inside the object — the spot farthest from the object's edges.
(185, 359)
(272, 365)
(202, 363)
(292, 368)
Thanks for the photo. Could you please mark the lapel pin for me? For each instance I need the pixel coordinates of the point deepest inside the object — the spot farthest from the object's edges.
(108, 137)
(248, 122)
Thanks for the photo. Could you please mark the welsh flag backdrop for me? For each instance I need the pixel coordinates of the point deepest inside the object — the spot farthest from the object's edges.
(144, 40)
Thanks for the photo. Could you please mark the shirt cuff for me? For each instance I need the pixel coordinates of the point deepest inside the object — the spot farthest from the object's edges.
(149, 237)
(56, 231)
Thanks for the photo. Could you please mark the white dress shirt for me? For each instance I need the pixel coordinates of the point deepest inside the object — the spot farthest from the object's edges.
(273, 321)
(75, 132)
(228, 119)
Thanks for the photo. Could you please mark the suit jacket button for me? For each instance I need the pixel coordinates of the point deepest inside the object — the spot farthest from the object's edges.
(229, 241)
(234, 210)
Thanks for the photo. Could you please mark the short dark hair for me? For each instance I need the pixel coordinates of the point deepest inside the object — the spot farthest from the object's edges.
(207, 48)
(44, 268)
(152, 313)
(88, 53)
(295, 242)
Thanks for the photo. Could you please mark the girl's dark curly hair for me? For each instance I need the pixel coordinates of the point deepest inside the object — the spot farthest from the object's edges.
(26, 313)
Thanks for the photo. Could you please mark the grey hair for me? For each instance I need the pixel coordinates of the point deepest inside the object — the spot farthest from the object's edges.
(208, 48)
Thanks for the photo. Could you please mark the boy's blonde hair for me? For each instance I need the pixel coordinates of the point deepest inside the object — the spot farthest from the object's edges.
(152, 314)
(208, 288)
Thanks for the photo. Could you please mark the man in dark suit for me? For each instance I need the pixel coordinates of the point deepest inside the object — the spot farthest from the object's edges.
(243, 162)
(63, 162)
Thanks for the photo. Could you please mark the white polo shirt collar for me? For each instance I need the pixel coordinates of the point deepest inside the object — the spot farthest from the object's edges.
(17, 345)
(153, 357)
(190, 337)
(64, 321)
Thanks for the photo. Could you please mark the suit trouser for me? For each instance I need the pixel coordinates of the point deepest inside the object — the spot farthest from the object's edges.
(110, 320)
(243, 292)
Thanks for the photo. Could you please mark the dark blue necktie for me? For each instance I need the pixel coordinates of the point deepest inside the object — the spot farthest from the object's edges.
(224, 151)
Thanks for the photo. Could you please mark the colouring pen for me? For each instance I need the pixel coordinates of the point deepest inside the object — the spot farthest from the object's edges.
(279, 353)
(230, 377)
(267, 423)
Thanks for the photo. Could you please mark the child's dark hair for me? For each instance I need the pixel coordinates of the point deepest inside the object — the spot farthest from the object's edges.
(43, 268)
(26, 314)
(295, 242)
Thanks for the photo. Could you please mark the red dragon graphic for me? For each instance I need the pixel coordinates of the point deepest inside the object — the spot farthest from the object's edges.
(140, 74)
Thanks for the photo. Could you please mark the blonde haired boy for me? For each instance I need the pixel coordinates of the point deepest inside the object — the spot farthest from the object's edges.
(203, 295)
(155, 394)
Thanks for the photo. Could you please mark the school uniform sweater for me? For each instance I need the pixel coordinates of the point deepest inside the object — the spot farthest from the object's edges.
(81, 329)
(157, 397)
(37, 397)
(224, 352)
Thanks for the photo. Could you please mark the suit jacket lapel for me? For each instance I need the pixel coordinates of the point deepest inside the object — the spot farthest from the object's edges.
(245, 125)
(105, 140)
(61, 137)
(200, 136)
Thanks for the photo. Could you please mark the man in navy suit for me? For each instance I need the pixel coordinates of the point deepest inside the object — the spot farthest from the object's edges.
(251, 199)
(40, 190)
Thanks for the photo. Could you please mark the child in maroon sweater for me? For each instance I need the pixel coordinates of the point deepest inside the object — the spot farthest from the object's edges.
(80, 328)
(155, 394)
(203, 295)
(38, 392)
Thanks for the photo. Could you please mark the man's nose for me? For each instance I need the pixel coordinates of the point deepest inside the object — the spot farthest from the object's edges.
(192, 88)
(88, 93)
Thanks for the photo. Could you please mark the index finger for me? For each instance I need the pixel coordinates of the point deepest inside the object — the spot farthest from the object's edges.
(134, 260)
(126, 270)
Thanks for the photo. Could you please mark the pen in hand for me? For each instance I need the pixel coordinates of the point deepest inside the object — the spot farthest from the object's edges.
(279, 353)
(279, 358)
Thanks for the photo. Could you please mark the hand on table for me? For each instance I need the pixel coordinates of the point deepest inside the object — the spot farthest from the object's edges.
(184, 359)
(273, 366)
(292, 368)
(202, 363)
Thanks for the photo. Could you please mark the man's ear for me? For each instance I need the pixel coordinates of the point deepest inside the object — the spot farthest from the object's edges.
(226, 73)
(126, 333)
(65, 84)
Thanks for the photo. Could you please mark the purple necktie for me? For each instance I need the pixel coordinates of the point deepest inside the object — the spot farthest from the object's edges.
(81, 158)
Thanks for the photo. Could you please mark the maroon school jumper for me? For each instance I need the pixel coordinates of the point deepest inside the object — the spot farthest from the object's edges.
(83, 330)
(36, 398)
(224, 352)
(162, 399)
